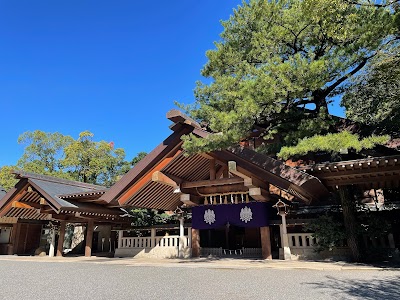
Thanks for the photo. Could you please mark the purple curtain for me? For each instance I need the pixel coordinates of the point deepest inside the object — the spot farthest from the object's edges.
(253, 214)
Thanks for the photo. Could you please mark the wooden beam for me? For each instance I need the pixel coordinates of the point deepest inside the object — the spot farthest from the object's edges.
(365, 180)
(160, 177)
(249, 181)
(32, 204)
(190, 200)
(221, 172)
(21, 205)
(211, 156)
(259, 194)
(220, 189)
(212, 169)
(215, 182)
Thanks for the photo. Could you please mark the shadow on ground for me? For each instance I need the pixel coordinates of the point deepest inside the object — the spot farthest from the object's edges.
(376, 288)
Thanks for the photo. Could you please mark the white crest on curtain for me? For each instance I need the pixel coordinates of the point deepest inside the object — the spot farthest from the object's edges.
(209, 216)
(246, 214)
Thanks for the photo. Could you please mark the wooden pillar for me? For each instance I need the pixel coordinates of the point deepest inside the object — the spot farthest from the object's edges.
(89, 238)
(14, 239)
(287, 255)
(120, 235)
(61, 238)
(195, 242)
(182, 244)
(52, 242)
(265, 242)
(153, 233)
(212, 169)
(392, 244)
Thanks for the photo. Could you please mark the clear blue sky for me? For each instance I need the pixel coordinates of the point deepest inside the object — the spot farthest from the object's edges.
(111, 67)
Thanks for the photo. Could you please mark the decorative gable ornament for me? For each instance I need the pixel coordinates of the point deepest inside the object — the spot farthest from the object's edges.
(209, 216)
(246, 215)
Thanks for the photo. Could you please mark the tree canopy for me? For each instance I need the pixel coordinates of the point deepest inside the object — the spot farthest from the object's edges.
(373, 98)
(93, 162)
(279, 64)
(83, 159)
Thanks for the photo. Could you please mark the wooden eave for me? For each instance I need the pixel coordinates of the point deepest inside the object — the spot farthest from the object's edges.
(300, 184)
(376, 172)
(30, 202)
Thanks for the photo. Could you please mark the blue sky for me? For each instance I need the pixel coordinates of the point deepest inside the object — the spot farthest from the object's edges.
(111, 67)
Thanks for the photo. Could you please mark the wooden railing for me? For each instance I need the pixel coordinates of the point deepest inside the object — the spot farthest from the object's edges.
(306, 240)
(301, 240)
(150, 242)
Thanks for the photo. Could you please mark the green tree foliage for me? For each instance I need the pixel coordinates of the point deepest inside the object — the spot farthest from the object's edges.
(332, 142)
(43, 152)
(93, 162)
(374, 96)
(148, 217)
(138, 158)
(62, 156)
(278, 65)
(7, 180)
(329, 232)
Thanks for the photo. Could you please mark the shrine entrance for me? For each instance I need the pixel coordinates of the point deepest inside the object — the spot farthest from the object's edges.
(232, 230)
(231, 241)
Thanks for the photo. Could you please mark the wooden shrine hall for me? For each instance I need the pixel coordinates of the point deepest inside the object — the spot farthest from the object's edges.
(38, 200)
(232, 196)
(232, 188)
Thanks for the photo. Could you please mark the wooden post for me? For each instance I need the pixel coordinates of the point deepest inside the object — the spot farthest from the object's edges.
(266, 242)
(61, 238)
(120, 236)
(195, 242)
(52, 242)
(212, 169)
(189, 237)
(392, 245)
(181, 237)
(14, 238)
(89, 238)
(153, 233)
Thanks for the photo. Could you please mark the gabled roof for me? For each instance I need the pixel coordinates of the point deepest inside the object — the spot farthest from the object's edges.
(137, 189)
(2, 192)
(34, 192)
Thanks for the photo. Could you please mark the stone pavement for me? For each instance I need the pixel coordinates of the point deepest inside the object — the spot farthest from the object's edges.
(210, 263)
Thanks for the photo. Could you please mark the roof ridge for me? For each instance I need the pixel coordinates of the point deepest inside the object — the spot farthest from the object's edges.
(29, 175)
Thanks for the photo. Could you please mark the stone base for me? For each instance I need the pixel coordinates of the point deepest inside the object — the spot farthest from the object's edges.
(285, 253)
(156, 252)
(310, 254)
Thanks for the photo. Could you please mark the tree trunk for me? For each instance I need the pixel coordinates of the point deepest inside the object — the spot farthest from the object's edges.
(350, 223)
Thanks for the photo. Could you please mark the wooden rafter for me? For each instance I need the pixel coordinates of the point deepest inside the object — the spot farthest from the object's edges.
(135, 188)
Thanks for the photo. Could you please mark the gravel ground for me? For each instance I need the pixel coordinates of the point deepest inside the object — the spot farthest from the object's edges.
(56, 280)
